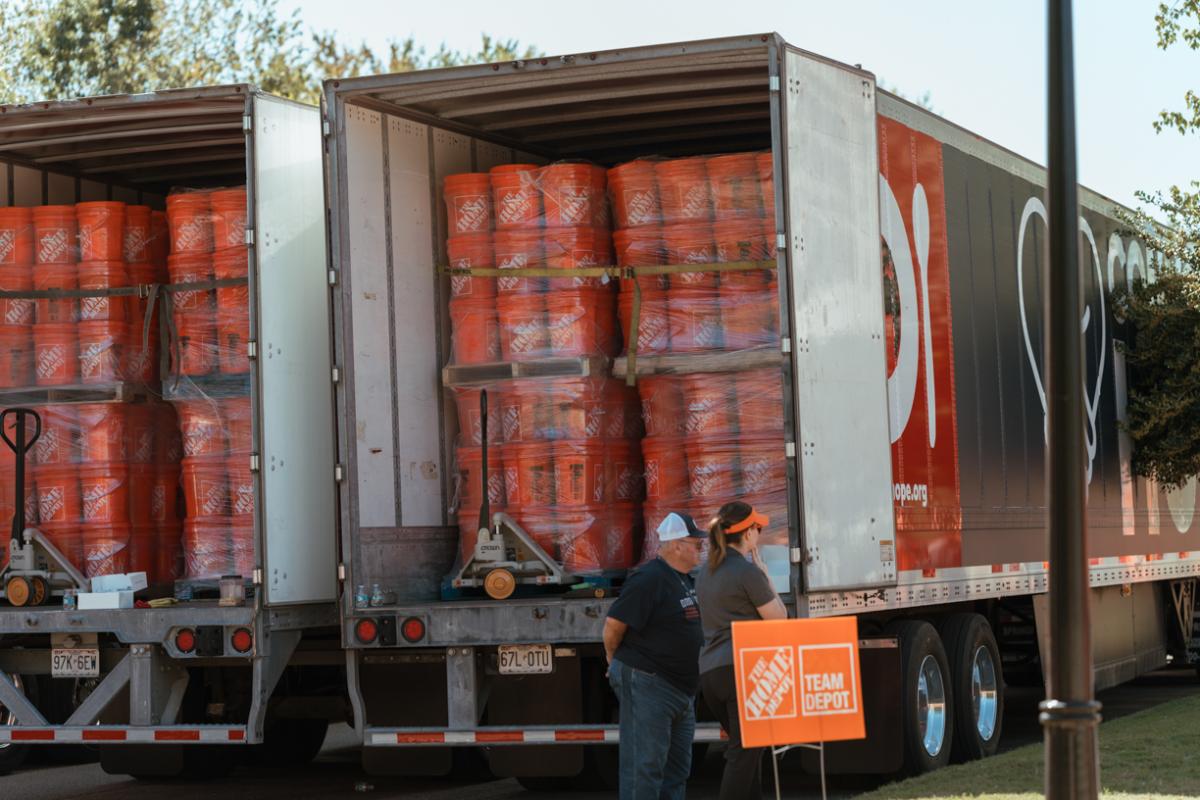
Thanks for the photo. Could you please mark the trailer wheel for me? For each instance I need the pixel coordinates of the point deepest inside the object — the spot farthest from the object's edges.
(926, 703)
(977, 685)
(13, 755)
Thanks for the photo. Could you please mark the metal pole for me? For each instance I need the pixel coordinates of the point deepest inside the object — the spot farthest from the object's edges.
(1070, 715)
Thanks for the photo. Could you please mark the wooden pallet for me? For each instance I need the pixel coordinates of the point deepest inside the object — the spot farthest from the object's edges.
(479, 374)
(120, 392)
(684, 363)
(206, 386)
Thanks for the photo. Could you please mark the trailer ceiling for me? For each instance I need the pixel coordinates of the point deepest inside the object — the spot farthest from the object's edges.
(671, 100)
(148, 141)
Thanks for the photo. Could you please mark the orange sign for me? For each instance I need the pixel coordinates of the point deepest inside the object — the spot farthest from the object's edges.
(798, 681)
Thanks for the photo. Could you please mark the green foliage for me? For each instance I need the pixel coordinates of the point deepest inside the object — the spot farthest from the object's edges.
(74, 48)
(1180, 22)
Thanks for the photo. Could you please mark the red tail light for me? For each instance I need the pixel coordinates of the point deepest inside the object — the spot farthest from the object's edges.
(242, 640)
(413, 630)
(185, 641)
(366, 631)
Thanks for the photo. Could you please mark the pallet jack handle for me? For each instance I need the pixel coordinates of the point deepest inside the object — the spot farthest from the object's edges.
(485, 507)
(20, 448)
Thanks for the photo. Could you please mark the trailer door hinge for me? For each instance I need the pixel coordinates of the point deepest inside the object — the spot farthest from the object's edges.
(337, 473)
(341, 572)
(256, 577)
(249, 236)
(774, 83)
(796, 555)
(781, 241)
(247, 123)
(790, 449)
(333, 277)
(324, 127)
(252, 349)
(786, 344)
(337, 374)
(255, 462)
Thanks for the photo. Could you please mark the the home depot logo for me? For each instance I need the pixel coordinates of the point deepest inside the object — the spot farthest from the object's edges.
(517, 206)
(212, 497)
(827, 679)
(693, 200)
(158, 503)
(95, 499)
(511, 261)
(51, 502)
(242, 497)
(701, 414)
(51, 360)
(92, 358)
(134, 244)
(54, 246)
(93, 308)
(192, 235)
(471, 213)
(705, 478)
(756, 475)
(641, 206)
(770, 682)
(143, 445)
(652, 478)
(235, 231)
(18, 312)
(628, 481)
(8, 246)
(574, 204)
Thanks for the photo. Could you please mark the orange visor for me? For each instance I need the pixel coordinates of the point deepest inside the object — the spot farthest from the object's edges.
(755, 518)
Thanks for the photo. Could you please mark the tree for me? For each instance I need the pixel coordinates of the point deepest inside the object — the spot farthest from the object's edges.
(73, 48)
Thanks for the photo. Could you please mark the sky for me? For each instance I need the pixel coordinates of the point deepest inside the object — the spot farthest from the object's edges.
(983, 63)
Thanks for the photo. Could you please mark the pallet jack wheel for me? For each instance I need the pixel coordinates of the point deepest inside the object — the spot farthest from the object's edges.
(41, 590)
(499, 584)
(18, 591)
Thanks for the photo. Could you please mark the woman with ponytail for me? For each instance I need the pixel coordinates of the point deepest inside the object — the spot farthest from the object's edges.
(733, 586)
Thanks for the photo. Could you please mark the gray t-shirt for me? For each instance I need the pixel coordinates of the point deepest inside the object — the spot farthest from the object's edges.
(732, 593)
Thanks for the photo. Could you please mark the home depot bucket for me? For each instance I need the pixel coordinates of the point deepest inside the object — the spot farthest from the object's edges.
(641, 247)
(469, 462)
(205, 485)
(662, 405)
(103, 275)
(633, 192)
(58, 493)
(471, 251)
(189, 217)
(164, 497)
(228, 218)
(683, 190)
(101, 351)
(760, 400)
(572, 195)
(104, 491)
(56, 276)
(56, 354)
(527, 414)
(68, 539)
(16, 237)
(762, 464)
(654, 321)
(516, 196)
(535, 472)
(16, 358)
(191, 267)
(468, 198)
(233, 311)
(141, 551)
(236, 418)
(141, 494)
(135, 241)
(596, 538)
(574, 248)
(765, 164)
(749, 317)
(580, 472)
(624, 471)
(475, 330)
(691, 243)
(736, 192)
(201, 427)
(198, 347)
(740, 239)
(470, 425)
(140, 428)
(142, 274)
(168, 554)
(207, 550)
(59, 442)
(139, 359)
(241, 484)
(581, 322)
(695, 319)
(241, 544)
(518, 250)
(524, 335)
(585, 408)
(101, 230)
(16, 311)
(54, 232)
(709, 403)
(666, 469)
(711, 467)
(103, 431)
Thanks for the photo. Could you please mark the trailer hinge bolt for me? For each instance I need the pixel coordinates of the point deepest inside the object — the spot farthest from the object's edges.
(786, 344)
(337, 473)
(257, 577)
(252, 349)
(333, 277)
(249, 236)
(336, 374)
(324, 127)
(790, 449)
(341, 572)
(774, 83)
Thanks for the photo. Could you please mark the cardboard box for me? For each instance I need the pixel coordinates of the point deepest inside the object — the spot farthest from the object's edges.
(91, 601)
(124, 582)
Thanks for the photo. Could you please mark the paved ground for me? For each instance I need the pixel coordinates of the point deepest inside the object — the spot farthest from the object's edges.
(336, 774)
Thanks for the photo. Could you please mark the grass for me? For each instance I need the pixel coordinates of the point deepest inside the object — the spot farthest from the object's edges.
(1150, 754)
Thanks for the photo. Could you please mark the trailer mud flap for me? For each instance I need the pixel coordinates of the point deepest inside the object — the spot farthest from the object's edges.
(551, 699)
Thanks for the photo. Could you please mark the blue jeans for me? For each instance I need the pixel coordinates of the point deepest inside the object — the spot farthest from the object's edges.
(658, 722)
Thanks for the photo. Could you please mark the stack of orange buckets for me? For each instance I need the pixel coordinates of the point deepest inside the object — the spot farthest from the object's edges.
(710, 437)
(563, 458)
(208, 242)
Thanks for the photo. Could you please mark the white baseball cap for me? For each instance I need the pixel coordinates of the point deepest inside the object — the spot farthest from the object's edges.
(678, 526)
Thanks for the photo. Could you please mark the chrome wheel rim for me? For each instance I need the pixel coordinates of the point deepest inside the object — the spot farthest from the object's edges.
(7, 717)
(931, 706)
(984, 693)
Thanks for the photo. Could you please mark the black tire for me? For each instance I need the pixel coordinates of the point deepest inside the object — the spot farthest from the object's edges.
(921, 646)
(964, 635)
(12, 756)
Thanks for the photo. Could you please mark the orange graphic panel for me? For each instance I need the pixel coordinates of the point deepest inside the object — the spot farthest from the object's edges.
(798, 681)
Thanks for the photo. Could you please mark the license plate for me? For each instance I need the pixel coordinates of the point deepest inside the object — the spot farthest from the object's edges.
(75, 663)
(526, 659)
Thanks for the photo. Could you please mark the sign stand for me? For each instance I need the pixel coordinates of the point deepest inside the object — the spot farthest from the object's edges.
(778, 751)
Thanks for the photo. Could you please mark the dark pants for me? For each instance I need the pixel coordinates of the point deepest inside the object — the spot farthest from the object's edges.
(743, 767)
(658, 722)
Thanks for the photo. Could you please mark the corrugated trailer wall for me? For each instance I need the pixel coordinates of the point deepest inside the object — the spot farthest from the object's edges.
(22, 185)
(969, 477)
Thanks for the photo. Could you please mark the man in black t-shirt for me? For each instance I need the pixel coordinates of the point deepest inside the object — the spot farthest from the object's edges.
(652, 638)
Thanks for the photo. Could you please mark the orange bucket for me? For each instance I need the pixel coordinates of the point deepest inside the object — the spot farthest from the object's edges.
(580, 472)
(16, 237)
(475, 331)
(624, 471)
(468, 197)
(662, 405)
(470, 425)
(709, 403)
(236, 417)
(571, 248)
(470, 475)
(168, 554)
(765, 162)
(104, 491)
(101, 230)
(641, 247)
(233, 311)
(140, 427)
(103, 431)
(666, 469)
(136, 236)
(207, 550)
(160, 239)
(201, 427)
(141, 274)
(58, 493)
(241, 484)
(684, 191)
(191, 268)
(572, 195)
(471, 251)
(241, 544)
(740, 240)
(633, 192)
(141, 493)
(594, 538)
(198, 346)
(527, 414)
(189, 217)
(534, 473)
(691, 243)
(523, 332)
(15, 311)
(56, 276)
(205, 485)
(58, 443)
(55, 354)
(762, 464)
(581, 322)
(736, 192)
(103, 275)
(143, 541)
(516, 196)
(55, 235)
(140, 358)
(711, 468)
(233, 262)
(16, 358)
(584, 408)
(164, 493)
(102, 346)
(654, 322)
(518, 250)
(228, 217)
(696, 321)
(168, 439)
(750, 317)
